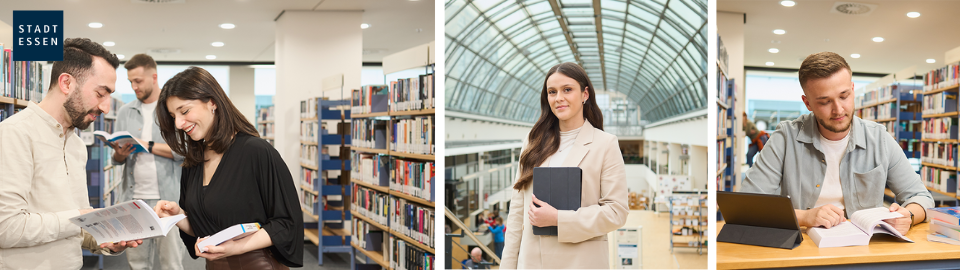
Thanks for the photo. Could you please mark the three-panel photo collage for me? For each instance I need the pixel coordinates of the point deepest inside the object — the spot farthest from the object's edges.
(479, 134)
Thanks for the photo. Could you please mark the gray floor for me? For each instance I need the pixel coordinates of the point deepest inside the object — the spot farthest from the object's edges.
(330, 261)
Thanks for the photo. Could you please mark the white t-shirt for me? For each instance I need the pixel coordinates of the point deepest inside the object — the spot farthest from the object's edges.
(567, 138)
(145, 171)
(830, 191)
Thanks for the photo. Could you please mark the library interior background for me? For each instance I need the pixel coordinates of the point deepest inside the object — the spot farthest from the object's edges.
(292, 68)
(648, 61)
(896, 46)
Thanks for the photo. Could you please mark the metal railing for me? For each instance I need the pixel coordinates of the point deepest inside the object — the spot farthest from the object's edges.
(464, 231)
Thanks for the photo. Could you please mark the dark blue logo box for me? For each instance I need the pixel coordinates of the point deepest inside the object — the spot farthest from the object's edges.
(38, 35)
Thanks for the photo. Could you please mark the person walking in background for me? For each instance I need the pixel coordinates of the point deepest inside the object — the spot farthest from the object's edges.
(497, 230)
(757, 138)
(230, 176)
(151, 176)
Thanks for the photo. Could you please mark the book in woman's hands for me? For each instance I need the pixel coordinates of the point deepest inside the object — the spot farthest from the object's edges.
(132, 220)
(234, 232)
(121, 137)
(858, 230)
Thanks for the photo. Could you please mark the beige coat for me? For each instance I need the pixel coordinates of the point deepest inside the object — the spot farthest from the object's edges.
(581, 240)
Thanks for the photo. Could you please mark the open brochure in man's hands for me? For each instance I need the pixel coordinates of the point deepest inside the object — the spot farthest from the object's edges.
(234, 232)
(121, 137)
(858, 230)
(125, 221)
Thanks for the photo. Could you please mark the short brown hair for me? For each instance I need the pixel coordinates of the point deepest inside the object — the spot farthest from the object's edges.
(77, 61)
(821, 65)
(140, 60)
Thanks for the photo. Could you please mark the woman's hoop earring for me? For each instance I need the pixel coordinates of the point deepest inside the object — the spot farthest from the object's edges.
(584, 102)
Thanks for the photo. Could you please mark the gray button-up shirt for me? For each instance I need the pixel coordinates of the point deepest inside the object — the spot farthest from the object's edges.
(792, 163)
(168, 170)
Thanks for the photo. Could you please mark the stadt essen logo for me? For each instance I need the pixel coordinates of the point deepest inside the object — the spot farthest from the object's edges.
(38, 35)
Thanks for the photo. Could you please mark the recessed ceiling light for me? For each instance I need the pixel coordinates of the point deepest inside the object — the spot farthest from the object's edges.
(364, 26)
(217, 44)
(109, 43)
(877, 39)
(856, 55)
(769, 63)
(773, 50)
(211, 57)
(931, 60)
(95, 25)
(779, 31)
(913, 14)
(788, 3)
(120, 56)
(227, 26)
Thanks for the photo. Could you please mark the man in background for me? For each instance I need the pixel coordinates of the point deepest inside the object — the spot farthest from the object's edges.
(476, 260)
(149, 176)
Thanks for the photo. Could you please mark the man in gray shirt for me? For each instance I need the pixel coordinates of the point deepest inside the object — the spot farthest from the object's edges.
(832, 163)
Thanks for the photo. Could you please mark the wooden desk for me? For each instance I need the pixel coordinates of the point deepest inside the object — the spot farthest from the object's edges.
(885, 249)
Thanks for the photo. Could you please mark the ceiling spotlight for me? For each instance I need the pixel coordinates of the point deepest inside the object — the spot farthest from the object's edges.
(95, 25)
(364, 26)
(120, 56)
(773, 50)
(913, 14)
(931, 60)
(769, 63)
(227, 26)
(109, 43)
(217, 44)
(856, 55)
(788, 3)
(211, 57)
(877, 39)
(779, 31)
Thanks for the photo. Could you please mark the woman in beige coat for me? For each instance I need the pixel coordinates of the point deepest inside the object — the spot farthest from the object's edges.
(569, 133)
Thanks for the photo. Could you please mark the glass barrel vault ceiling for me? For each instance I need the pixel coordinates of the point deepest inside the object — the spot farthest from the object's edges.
(652, 51)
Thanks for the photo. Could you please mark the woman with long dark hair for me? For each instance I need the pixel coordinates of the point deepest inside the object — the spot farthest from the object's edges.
(569, 133)
(230, 177)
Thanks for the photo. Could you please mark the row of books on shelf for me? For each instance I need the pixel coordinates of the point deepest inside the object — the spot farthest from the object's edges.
(309, 155)
(939, 153)
(370, 99)
(371, 168)
(941, 128)
(404, 256)
(413, 220)
(688, 222)
(266, 129)
(943, 102)
(413, 177)
(943, 77)
(371, 203)
(413, 135)
(939, 179)
(369, 133)
(891, 127)
(723, 121)
(412, 94)
(308, 200)
(910, 145)
(721, 146)
(265, 114)
(310, 131)
(3, 113)
(309, 176)
(20, 79)
(722, 91)
(308, 108)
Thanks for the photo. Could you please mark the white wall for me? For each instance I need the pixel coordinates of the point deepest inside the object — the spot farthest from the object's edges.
(687, 132)
(637, 178)
(310, 46)
(730, 29)
(460, 129)
(699, 173)
(242, 91)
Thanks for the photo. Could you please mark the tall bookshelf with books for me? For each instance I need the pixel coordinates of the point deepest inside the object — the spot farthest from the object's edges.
(325, 174)
(727, 124)
(939, 138)
(393, 166)
(102, 176)
(898, 107)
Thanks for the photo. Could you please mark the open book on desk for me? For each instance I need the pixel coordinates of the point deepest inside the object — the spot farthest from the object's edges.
(858, 230)
(132, 220)
(121, 137)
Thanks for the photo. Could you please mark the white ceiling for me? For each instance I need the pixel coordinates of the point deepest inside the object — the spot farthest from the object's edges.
(907, 41)
(193, 25)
